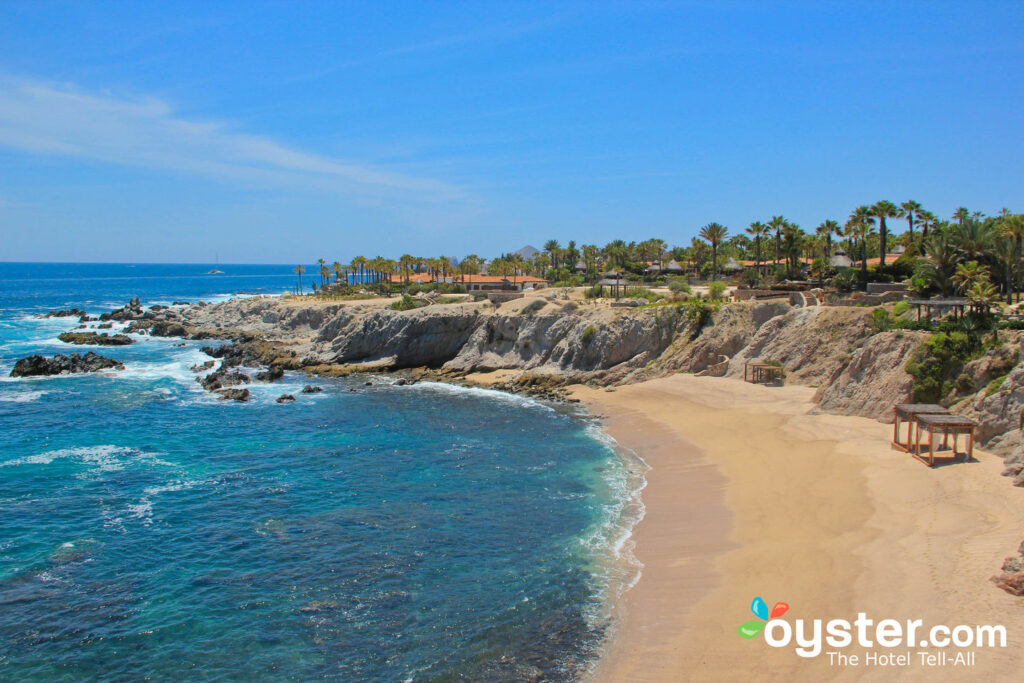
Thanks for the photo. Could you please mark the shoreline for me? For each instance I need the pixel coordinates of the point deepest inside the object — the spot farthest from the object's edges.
(749, 494)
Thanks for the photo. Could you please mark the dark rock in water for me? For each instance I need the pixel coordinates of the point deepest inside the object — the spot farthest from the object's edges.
(205, 366)
(180, 303)
(157, 307)
(368, 383)
(167, 329)
(96, 339)
(67, 313)
(285, 398)
(310, 389)
(234, 394)
(270, 375)
(39, 366)
(401, 382)
(104, 326)
(222, 378)
(86, 319)
(130, 311)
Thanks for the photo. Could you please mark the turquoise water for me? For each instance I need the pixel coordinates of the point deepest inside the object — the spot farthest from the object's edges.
(420, 532)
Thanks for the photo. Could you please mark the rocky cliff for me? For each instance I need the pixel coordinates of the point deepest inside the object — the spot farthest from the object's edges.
(857, 370)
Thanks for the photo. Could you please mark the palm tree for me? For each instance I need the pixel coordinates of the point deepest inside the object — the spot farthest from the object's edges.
(961, 214)
(792, 238)
(300, 270)
(860, 225)
(321, 263)
(757, 230)
(359, 265)
(975, 238)
(943, 258)
(776, 224)
(1012, 226)
(338, 270)
(969, 274)
(882, 210)
(910, 210)
(552, 247)
(825, 230)
(325, 273)
(714, 233)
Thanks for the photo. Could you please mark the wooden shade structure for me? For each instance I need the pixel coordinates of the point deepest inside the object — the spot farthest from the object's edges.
(908, 412)
(944, 424)
(759, 372)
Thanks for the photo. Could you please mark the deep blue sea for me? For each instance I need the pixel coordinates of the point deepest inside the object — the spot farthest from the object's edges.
(150, 531)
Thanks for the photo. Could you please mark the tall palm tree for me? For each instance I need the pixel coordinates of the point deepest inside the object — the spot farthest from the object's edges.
(926, 219)
(552, 247)
(321, 263)
(359, 265)
(882, 210)
(943, 258)
(792, 239)
(338, 270)
(910, 210)
(300, 270)
(325, 274)
(757, 230)
(776, 224)
(860, 225)
(825, 230)
(961, 214)
(975, 238)
(714, 233)
(1012, 226)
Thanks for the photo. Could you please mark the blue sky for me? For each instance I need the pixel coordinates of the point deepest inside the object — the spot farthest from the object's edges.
(283, 132)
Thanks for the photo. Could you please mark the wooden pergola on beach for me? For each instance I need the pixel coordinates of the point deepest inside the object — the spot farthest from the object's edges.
(759, 372)
(930, 418)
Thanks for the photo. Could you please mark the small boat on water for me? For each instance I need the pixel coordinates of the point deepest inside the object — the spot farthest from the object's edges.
(215, 272)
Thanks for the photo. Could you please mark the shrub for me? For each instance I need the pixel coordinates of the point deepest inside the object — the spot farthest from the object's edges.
(594, 292)
(534, 306)
(716, 289)
(679, 287)
(935, 363)
(881, 320)
(641, 293)
(406, 303)
(588, 335)
(900, 308)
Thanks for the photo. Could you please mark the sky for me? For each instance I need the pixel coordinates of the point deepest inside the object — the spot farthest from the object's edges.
(285, 132)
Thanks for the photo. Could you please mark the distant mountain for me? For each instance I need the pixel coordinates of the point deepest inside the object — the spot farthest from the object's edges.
(527, 252)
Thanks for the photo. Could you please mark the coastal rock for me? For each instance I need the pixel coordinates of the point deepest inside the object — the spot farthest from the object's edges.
(180, 303)
(36, 366)
(95, 339)
(874, 378)
(222, 378)
(285, 398)
(167, 329)
(203, 366)
(66, 313)
(104, 326)
(240, 395)
(272, 374)
(310, 389)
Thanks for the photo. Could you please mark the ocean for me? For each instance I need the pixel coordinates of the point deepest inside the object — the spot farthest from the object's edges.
(392, 533)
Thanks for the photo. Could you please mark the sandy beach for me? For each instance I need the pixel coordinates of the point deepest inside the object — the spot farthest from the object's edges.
(751, 495)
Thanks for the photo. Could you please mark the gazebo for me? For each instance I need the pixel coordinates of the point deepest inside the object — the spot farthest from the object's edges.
(840, 259)
(580, 267)
(941, 306)
(731, 265)
(673, 268)
(613, 279)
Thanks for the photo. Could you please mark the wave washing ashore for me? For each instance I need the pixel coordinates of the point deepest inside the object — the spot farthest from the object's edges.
(362, 532)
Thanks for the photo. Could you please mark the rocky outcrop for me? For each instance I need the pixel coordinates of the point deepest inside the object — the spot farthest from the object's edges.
(95, 339)
(39, 366)
(1012, 578)
(310, 389)
(222, 378)
(873, 379)
(66, 313)
(241, 395)
(285, 398)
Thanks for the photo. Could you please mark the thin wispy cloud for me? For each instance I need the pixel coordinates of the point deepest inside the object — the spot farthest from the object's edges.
(146, 132)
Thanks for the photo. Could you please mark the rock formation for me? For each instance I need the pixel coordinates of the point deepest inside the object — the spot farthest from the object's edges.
(37, 366)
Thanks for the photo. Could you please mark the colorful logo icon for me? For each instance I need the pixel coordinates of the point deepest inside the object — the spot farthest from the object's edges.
(760, 610)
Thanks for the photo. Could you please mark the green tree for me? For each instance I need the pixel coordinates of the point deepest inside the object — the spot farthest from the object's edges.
(757, 230)
(882, 210)
(1012, 226)
(860, 225)
(776, 224)
(714, 233)
(910, 210)
(299, 270)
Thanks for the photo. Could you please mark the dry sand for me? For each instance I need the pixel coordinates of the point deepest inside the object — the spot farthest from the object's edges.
(750, 495)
